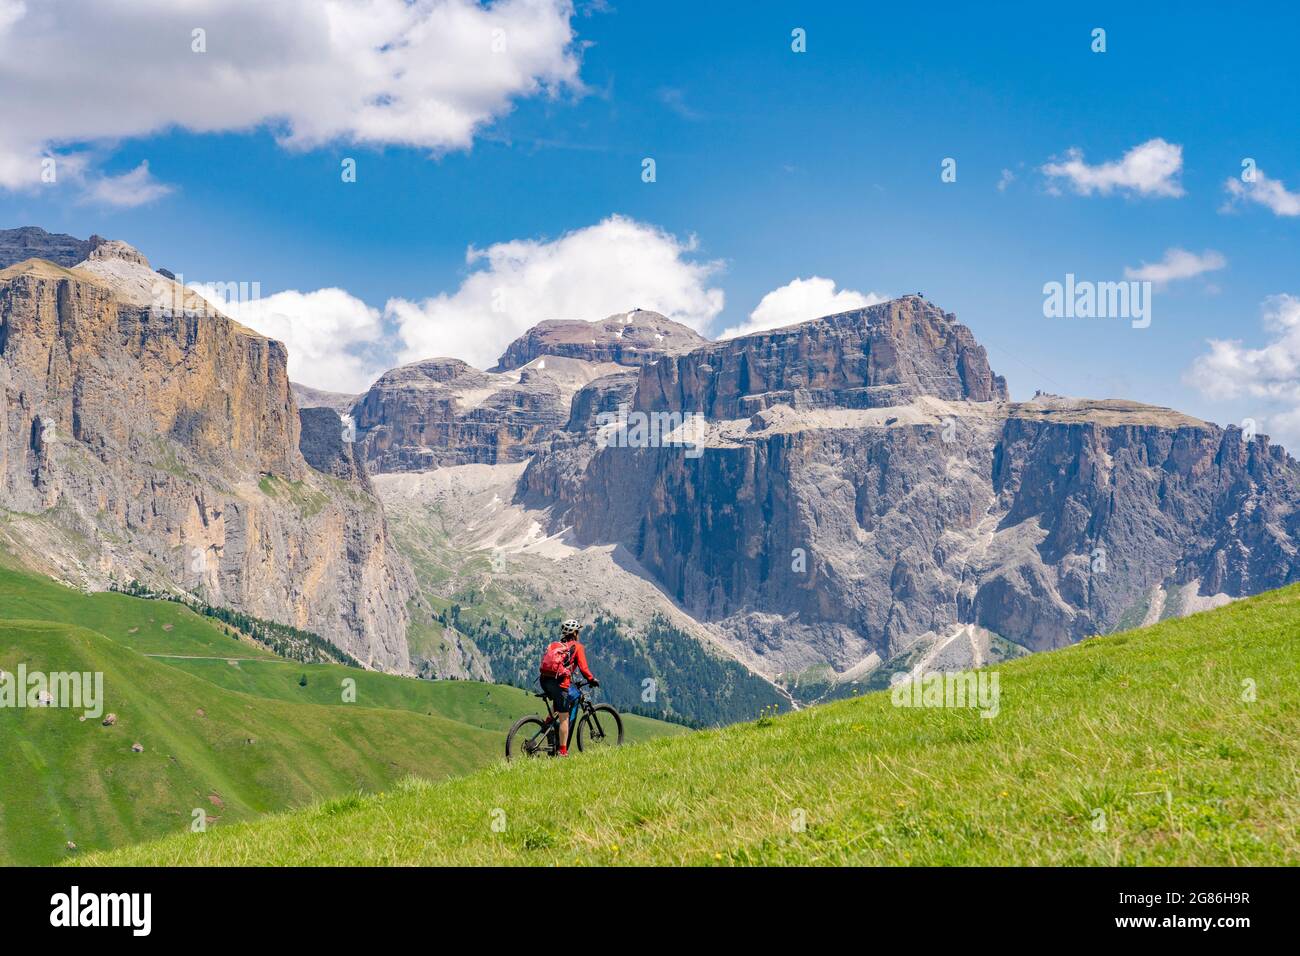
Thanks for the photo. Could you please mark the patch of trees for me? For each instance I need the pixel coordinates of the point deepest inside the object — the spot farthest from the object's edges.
(292, 643)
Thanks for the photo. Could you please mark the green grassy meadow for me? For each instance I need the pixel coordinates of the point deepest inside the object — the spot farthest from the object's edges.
(1176, 744)
(227, 728)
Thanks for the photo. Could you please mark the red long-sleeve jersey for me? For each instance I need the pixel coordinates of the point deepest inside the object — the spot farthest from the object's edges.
(579, 658)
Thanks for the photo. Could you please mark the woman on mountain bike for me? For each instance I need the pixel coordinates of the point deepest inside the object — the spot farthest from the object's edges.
(557, 667)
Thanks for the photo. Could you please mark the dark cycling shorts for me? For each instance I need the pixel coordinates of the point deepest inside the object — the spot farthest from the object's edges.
(557, 695)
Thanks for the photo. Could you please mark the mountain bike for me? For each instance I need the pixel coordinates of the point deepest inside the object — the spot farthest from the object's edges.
(599, 726)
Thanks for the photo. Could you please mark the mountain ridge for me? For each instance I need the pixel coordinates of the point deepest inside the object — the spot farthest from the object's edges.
(1023, 533)
(149, 436)
(826, 501)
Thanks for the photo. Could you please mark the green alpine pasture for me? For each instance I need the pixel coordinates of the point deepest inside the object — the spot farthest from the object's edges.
(227, 730)
(1175, 744)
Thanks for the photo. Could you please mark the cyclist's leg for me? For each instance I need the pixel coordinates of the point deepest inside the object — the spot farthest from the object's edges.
(562, 708)
(570, 713)
(557, 702)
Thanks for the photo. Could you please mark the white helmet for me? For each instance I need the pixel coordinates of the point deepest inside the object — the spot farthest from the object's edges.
(570, 628)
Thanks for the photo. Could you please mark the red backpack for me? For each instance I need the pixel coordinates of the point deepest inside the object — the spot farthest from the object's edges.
(555, 662)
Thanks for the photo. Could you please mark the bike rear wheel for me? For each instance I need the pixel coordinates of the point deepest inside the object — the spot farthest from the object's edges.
(599, 728)
(528, 737)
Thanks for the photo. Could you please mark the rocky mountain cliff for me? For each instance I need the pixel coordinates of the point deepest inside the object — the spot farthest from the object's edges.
(638, 337)
(890, 354)
(864, 497)
(859, 495)
(444, 412)
(146, 435)
(308, 397)
(33, 242)
(325, 444)
(866, 489)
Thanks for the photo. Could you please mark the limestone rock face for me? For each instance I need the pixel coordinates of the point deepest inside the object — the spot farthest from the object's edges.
(864, 485)
(602, 396)
(146, 435)
(308, 397)
(33, 242)
(886, 354)
(325, 445)
(627, 338)
(444, 412)
(107, 250)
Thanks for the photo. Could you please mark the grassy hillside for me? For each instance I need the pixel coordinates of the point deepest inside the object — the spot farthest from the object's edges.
(150, 627)
(490, 706)
(1173, 745)
(226, 727)
(233, 755)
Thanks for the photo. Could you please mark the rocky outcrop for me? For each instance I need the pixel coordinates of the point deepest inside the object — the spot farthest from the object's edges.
(1127, 514)
(326, 444)
(886, 354)
(308, 397)
(603, 396)
(633, 338)
(33, 242)
(146, 435)
(444, 412)
(865, 484)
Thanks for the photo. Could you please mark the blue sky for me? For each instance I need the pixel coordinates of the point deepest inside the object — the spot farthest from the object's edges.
(781, 166)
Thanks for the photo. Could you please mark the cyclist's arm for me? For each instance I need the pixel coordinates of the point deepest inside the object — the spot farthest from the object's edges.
(580, 659)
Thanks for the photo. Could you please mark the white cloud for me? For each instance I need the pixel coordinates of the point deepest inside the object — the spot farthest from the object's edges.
(1284, 428)
(11, 11)
(135, 188)
(675, 100)
(427, 74)
(799, 301)
(1148, 169)
(1229, 370)
(1269, 375)
(1005, 180)
(1265, 191)
(1177, 264)
(590, 273)
(335, 340)
(339, 343)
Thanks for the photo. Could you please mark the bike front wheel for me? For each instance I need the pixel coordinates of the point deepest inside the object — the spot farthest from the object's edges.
(528, 738)
(599, 728)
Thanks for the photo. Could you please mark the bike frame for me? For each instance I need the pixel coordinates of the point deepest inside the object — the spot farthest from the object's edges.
(582, 702)
(582, 709)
